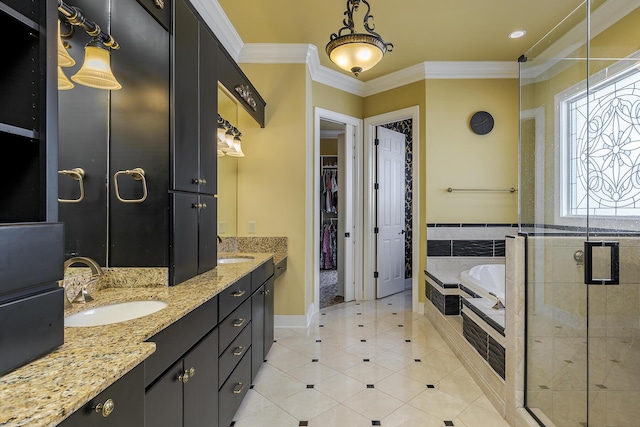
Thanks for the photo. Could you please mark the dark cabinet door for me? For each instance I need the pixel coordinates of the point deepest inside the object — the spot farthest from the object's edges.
(201, 391)
(163, 400)
(269, 314)
(185, 98)
(208, 112)
(257, 330)
(184, 237)
(128, 399)
(207, 229)
(139, 134)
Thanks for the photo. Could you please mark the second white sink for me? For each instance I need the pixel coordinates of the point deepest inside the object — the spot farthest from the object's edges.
(114, 313)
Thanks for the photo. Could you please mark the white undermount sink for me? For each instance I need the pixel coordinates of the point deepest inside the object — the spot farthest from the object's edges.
(234, 260)
(114, 313)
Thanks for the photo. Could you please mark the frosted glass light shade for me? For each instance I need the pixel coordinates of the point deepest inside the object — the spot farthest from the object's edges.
(63, 82)
(64, 59)
(356, 52)
(96, 70)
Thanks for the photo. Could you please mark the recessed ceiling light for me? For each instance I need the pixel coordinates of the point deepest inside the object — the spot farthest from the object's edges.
(517, 34)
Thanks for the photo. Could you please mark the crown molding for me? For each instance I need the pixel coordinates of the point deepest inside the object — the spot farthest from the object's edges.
(214, 16)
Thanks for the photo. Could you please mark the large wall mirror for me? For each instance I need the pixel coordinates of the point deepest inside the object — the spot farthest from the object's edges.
(227, 172)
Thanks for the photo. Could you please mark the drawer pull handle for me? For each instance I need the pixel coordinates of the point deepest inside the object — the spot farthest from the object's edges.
(238, 351)
(105, 408)
(238, 388)
(238, 294)
(238, 323)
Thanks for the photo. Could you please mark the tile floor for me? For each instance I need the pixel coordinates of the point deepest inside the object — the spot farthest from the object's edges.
(365, 364)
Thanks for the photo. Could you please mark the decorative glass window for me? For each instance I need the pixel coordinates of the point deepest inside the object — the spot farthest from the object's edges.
(603, 136)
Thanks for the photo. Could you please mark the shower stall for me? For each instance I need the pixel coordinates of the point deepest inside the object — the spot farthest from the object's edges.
(580, 218)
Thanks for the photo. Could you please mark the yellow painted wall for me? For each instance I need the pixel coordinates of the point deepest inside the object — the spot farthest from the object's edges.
(458, 158)
(271, 178)
(332, 99)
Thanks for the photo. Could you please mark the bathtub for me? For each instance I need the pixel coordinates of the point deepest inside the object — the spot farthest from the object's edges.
(485, 278)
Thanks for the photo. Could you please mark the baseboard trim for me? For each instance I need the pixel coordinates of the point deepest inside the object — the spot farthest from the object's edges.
(295, 321)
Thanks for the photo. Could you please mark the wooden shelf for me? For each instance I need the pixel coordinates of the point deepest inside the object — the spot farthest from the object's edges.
(19, 17)
(14, 130)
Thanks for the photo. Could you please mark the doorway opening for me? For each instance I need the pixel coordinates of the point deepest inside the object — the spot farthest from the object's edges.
(337, 225)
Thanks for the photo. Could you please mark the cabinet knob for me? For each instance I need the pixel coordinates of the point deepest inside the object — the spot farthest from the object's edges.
(203, 205)
(105, 408)
(195, 206)
(184, 377)
(192, 372)
(200, 181)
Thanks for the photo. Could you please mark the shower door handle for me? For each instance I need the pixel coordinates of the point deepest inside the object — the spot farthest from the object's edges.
(601, 263)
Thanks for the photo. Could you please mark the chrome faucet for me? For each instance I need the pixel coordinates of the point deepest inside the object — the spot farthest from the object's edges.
(219, 238)
(96, 271)
(498, 305)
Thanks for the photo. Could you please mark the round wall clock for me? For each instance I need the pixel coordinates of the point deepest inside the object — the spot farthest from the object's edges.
(481, 123)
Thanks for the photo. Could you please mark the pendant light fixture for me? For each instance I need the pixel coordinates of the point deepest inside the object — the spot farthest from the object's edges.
(236, 151)
(96, 69)
(64, 59)
(357, 52)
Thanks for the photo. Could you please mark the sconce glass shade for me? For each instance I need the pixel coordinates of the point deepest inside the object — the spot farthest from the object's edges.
(64, 59)
(220, 153)
(63, 82)
(96, 70)
(228, 137)
(237, 148)
(356, 52)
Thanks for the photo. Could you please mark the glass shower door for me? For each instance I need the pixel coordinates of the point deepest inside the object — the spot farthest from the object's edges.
(579, 208)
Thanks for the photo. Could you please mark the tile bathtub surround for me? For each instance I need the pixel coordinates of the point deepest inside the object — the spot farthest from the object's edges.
(390, 389)
(44, 392)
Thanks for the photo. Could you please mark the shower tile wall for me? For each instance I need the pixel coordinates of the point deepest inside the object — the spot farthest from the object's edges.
(558, 355)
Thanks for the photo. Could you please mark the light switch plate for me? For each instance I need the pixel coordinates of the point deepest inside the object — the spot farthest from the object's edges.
(252, 227)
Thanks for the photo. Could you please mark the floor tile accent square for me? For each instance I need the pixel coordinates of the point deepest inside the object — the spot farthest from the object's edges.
(370, 386)
(417, 360)
(304, 423)
(430, 386)
(363, 340)
(321, 326)
(360, 326)
(448, 423)
(232, 424)
(318, 340)
(309, 385)
(314, 360)
(366, 360)
(407, 340)
(375, 423)
(252, 386)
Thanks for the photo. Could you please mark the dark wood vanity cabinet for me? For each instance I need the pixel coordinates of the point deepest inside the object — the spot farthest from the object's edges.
(262, 315)
(120, 405)
(187, 393)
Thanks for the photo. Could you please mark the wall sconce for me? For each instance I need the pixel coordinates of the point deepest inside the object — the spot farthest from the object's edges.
(229, 142)
(96, 69)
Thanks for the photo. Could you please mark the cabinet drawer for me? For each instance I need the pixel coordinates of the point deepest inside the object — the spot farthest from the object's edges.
(30, 327)
(233, 354)
(261, 274)
(174, 341)
(233, 296)
(233, 325)
(127, 395)
(234, 389)
(21, 246)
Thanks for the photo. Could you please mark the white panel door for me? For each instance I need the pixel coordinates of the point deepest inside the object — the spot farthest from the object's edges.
(346, 241)
(391, 212)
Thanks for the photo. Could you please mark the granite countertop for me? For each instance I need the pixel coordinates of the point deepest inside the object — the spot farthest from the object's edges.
(49, 389)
